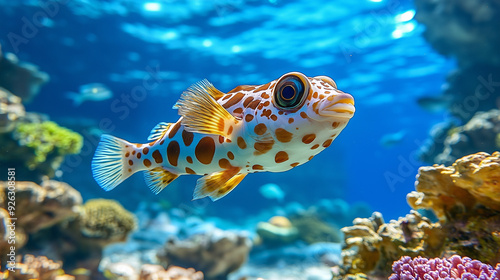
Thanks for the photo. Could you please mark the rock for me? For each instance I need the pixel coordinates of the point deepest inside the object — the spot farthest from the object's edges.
(216, 253)
(11, 110)
(22, 79)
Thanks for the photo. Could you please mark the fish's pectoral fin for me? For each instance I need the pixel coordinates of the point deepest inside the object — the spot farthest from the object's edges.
(158, 178)
(218, 184)
(158, 131)
(202, 114)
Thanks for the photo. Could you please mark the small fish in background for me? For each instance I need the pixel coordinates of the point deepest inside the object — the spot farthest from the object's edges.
(225, 136)
(272, 191)
(392, 139)
(434, 104)
(90, 92)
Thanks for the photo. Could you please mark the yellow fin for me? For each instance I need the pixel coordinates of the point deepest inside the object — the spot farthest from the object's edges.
(158, 178)
(218, 184)
(202, 114)
(158, 131)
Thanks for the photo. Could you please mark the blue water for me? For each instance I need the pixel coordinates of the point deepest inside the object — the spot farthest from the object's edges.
(372, 49)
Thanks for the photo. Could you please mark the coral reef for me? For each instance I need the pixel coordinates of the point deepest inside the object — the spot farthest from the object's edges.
(466, 187)
(481, 133)
(277, 231)
(466, 30)
(371, 245)
(105, 221)
(454, 267)
(11, 110)
(42, 206)
(47, 140)
(40, 268)
(36, 147)
(311, 229)
(465, 197)
(156, 272)
(216, 253)
(22, 79)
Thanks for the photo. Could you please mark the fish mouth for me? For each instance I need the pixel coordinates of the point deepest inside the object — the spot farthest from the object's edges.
(339, 106)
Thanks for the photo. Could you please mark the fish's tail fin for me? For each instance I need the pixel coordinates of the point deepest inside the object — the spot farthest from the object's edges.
(108, 164)
(77, 98)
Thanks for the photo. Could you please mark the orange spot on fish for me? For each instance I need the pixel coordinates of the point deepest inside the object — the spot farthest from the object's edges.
(294, 164)
(303, 115)
(248, 117)
(241, 143)
(283, 135)
(280, 157)
(173, 151)
(130, 162)
(274, 117)
(290, 120)
(238, 111)
(263, 87)
(254, 104)
(335, 124)
(235, 99)
(307, 139)
(147, 163)
(187, 137)
(205, 150)
(311, 157)
(190, 171)
(327, 143)
(262, 147)
(174, 129)
(257, 167)
(157, 155)
(230, 155)
(260, 129)
(127, 154)
(189, 159)
(315, 147)
(247, 101)
(224, 163)
(230, 130)
(145, 150)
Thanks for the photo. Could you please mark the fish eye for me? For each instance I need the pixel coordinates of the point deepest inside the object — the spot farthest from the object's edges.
(289, 92)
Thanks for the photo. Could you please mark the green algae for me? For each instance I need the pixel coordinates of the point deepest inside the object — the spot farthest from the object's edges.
(47, 139)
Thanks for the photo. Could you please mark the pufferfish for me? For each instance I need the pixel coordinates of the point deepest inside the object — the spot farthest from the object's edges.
(224, 136)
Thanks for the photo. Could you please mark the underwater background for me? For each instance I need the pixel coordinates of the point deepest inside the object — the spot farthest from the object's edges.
(413, 68)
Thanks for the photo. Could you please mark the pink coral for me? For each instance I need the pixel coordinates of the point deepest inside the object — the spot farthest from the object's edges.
(454, 267)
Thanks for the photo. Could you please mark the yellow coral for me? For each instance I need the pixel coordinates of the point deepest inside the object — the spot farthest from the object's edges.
(106, 220)
(472, 180)
(47, 138)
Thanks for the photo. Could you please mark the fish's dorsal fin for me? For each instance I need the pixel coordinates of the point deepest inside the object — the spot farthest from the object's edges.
(218, 184)
(202, 114)
(158, 178)
(158, 131)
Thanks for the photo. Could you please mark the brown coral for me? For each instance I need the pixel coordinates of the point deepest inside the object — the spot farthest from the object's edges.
(371, 246)
(39, 207)
(471, 182)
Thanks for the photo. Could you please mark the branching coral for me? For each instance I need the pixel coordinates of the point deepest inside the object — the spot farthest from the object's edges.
(454, 267)
(38, 268)
(47, 139)
(371, 245)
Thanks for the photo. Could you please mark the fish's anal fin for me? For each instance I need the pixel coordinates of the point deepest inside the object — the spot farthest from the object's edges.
(202, 114)
(218, 184)
(158, 178)
(158, 131)
(108, 162)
